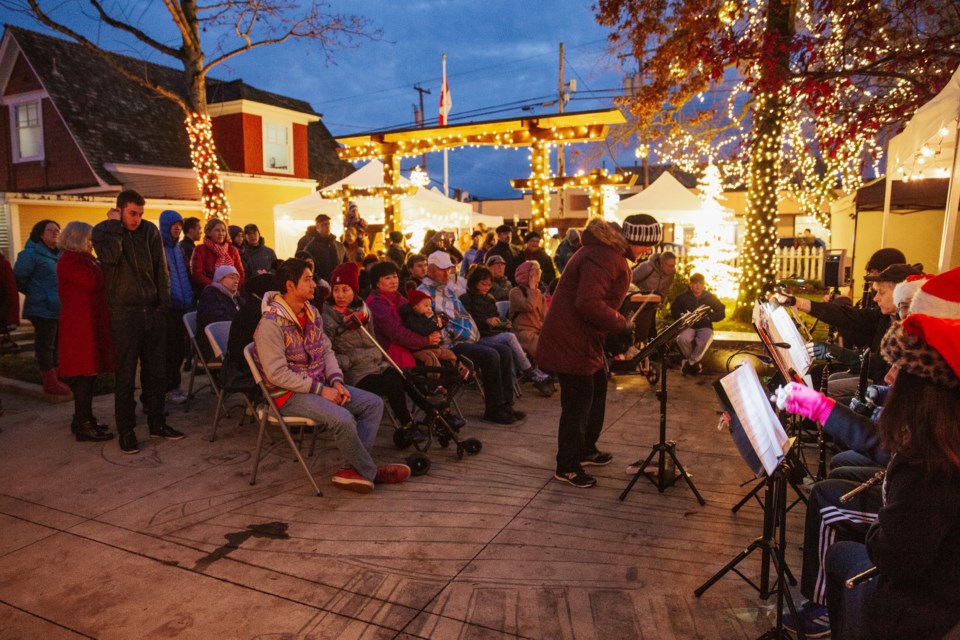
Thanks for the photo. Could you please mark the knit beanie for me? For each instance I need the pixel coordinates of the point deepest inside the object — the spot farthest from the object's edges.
(223, 271)
(347, 273)
(641, 230)
(523, 273)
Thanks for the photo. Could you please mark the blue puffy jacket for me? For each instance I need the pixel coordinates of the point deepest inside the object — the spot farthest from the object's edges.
(181, 290)
(36, 272)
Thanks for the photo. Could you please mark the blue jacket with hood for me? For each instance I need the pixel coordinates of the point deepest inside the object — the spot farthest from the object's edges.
(181, 290)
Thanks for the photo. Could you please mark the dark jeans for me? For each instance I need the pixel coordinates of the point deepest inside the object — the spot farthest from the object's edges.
(495, 362)
(176, 347)
(583, 402)
(82, 388)
(139, 336)
(45, 342)
(389, 385)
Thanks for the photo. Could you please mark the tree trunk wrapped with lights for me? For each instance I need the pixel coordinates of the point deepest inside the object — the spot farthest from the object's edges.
(203, 154)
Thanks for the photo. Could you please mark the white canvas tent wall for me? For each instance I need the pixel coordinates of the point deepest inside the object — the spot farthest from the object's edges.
(666, 200)
(424, 210)
(927, 147)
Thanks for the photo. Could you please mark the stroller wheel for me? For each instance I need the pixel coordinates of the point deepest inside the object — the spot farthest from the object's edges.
(443, 440)
(419, 463)
(472, 446)
(653, 375)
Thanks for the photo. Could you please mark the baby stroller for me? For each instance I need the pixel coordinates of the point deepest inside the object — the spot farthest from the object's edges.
(435, 407)
(629, 361)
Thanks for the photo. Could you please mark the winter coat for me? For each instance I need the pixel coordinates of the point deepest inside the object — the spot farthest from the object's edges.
(188, 245)
(584, 309)
(257, 258)
(460, 326)
(395, 338)
(649, 277)
(564, 252)
(528, 309)
(481, 309)
(293, 358)
(204, 263)
(86, 319)
(181, 289)
(36, 273)
(215, 305)
(505, 251)
(327, 253)
(501, 289)
(357, 355)
(418, 323)
(396, 255)
(135, 270)
(9, 295)
(868, 326)
(687, 302)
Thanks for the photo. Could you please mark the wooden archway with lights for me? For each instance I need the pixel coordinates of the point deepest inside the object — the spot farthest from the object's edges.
(538, 133)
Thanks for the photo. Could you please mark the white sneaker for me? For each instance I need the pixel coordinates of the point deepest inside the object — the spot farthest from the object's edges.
(176, 396)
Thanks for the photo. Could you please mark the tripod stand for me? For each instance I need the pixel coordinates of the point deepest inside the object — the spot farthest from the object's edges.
(771, 544)
(664, 447)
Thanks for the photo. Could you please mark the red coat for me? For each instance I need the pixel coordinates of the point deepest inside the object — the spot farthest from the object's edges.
(204, 262)
(584, 310)
(9, 295)
(86, 344)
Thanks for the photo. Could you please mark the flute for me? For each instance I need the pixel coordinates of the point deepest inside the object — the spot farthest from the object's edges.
(875, 480)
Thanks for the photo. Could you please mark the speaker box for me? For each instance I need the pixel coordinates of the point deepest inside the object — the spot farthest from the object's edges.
(835, 270)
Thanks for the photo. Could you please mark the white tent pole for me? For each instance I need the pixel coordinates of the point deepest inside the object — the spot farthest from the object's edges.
(950, 214)
(887, 195)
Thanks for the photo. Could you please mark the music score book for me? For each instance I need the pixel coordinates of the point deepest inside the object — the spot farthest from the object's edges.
(776, 323)
(756, 430)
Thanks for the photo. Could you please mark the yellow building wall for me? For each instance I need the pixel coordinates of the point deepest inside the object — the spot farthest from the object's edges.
(253, 203)
(916, 234)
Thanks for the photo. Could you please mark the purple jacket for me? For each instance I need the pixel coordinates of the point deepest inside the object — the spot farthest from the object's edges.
(385, 309)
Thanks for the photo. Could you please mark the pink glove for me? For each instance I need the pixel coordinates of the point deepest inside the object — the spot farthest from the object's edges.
(802, 400)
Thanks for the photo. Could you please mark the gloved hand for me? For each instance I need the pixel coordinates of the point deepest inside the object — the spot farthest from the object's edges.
(804, 401)
(817, 350)
(355, 320)
(783, 299)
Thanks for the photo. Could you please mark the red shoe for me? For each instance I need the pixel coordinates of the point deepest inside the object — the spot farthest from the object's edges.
(392, 473)
(350, 480)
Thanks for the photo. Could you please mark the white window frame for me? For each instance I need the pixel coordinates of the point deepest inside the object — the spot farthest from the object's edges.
(12, 102)
(266, 159)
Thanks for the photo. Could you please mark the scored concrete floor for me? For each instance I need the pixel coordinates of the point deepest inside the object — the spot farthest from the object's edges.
(175, 542)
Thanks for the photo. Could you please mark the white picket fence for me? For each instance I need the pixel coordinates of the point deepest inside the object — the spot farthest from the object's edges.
(792, 262)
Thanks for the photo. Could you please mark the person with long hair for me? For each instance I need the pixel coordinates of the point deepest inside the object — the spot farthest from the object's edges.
(215, 251)
(90, 348)
(36, 273)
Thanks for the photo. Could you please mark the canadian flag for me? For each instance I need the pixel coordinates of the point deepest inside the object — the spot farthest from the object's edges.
(445, 100)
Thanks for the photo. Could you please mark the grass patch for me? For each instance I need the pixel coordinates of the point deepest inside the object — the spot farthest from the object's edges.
(23, 366)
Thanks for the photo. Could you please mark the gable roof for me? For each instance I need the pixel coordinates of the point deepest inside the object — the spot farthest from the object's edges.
(116, 120)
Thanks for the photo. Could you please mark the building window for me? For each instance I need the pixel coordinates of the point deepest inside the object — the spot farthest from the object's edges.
(27, 131)
(276, 148)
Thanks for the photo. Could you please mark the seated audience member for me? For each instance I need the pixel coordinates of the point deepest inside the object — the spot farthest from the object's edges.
(460, 335)
(416, 269)
(235, 372)
(364, 278)
(695, 340)
(385, 303)
(322, 292)
(418, 317)
(472, 255)
(256, 256)
(528, 306)
(501, 285)
(493, 330)
(301, 372)
(361, 362)
(655, 275)
(218, 302)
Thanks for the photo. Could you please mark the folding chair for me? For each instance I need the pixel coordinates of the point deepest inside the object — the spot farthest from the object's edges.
(218, 334)
(199, 362)
(269, 413)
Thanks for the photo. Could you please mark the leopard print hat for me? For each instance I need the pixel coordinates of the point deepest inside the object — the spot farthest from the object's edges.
(910, 352)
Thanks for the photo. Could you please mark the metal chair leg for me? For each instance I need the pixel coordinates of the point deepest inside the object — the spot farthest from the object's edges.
(216, 415)
(256, 457)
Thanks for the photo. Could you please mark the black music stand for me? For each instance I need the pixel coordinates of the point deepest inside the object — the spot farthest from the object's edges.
(664, 447)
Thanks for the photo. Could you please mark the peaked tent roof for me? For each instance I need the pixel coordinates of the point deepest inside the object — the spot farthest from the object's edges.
(666, 200)
(115, 120)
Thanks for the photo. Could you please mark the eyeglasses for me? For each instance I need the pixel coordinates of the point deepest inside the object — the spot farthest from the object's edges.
(903, 306)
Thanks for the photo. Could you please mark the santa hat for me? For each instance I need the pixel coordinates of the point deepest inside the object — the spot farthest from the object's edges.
(927, 343)
(642, 230)
(905, 291)
(415, 296)
(347, 273)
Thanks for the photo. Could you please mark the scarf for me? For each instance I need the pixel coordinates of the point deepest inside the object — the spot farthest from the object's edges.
(221, 251)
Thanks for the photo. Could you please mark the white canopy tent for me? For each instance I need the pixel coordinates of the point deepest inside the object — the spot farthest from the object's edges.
(427, 209)
(666, 200)
(927, 148)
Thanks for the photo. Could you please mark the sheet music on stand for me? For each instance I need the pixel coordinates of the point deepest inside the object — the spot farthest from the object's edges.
(756, 430)
(775, 325)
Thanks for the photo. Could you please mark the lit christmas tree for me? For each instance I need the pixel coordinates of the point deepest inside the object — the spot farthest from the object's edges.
(711, 251)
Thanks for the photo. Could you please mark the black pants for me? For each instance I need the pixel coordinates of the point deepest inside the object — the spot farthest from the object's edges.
(45, 342)
(496, 365)
(176, 347)
(389, 385)
(82, 388)
(139, 336)
(583, 402)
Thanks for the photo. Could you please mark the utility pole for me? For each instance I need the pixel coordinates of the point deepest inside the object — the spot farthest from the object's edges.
(561, 161)
(421, 120)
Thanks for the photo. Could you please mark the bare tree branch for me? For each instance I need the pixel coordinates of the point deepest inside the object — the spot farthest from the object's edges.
(137, 33)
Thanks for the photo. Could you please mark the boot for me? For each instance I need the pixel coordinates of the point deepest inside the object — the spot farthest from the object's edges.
(87, 432)
(51, 385)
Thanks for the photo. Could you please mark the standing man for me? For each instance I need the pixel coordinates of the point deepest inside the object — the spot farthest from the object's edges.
(533, 251)
(256, 256)
(301, 372)
(503, 247)
(395, 251)
(181, 302)
(327, 251)
(695, 340)
(191, 236)
(137, 287)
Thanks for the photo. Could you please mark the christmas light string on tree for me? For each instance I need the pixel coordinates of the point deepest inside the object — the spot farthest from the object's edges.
(710, 252)
(203, 154)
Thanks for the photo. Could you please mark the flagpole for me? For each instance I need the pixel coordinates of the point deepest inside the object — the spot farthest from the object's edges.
(446, 168)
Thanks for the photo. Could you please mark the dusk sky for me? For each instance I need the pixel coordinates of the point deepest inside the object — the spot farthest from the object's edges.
(501, 56)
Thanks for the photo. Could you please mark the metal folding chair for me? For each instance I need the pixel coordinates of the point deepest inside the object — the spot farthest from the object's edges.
(199, 362)
(218, 334)
(268, 413)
